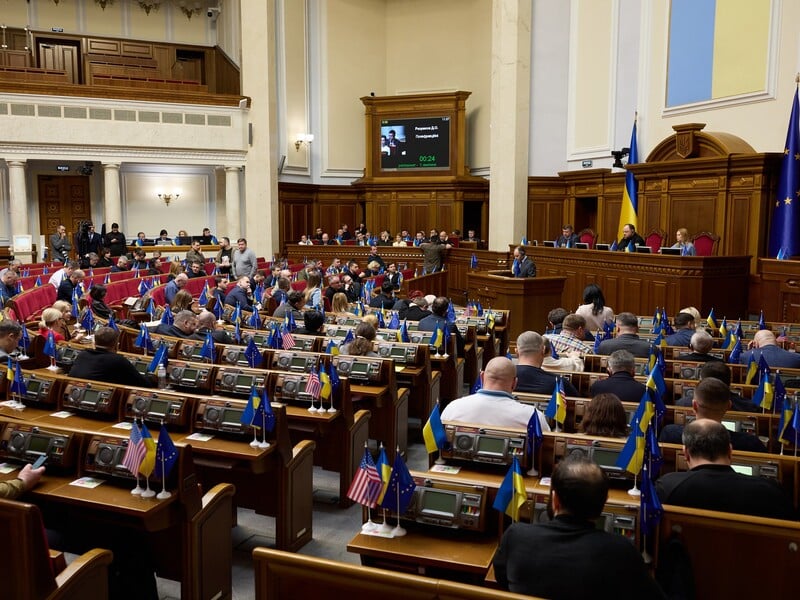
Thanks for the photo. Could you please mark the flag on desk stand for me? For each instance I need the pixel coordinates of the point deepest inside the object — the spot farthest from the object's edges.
(630, 195)
(253, 354)
(535, 440)
(765, 393)
(75, 299)
(159, 358)
(557, 407)
(208, 350)
(477, 386)
(402, 333)
(24, 344)
(736, 353)
(433, 432)
(38, 281)
(348, 337)
(332, 348)
(400, 491)
(287, 339)
(784, 409)
(313, 388)
(255, 319)
(143, 339)
(385, 473)
(752, 370)
(712, 320)
(394, 322)
(112, 323)
(473, 262)
(203, 300)
(265, 418)
(785, 222)
(650, 509)
(219, 310)
(249, 413)
(167, 318)
(148, 462)
(598, 338)
(50, 349)
(511, 494)
(17, 385)
(366, 486)
(87, 322)
(134, 455)
(724, 332)
(613, 247)
(761, 323)
(166, 457)
(144, 287)
(608, 330)
(437, 339)
(553, 353)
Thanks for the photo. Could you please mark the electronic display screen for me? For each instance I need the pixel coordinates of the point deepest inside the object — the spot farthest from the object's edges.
(359, 368)
(190, 374)
(33, 386)
(417, 144)
(38, 443)
(439, 502)
(743, 469)
(244, 380)
(141, 366)
(605, 457)
(491, 445)
(298, 361)
(158, 407)
(90, 395)
(232, 416)
(397, 352)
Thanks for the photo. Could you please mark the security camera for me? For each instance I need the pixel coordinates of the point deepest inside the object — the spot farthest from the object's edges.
(213, 12)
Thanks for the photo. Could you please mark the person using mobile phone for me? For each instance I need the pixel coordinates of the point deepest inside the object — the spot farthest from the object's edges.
(27, 478)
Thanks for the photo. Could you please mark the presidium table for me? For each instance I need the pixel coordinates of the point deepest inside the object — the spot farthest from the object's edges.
(639, 283)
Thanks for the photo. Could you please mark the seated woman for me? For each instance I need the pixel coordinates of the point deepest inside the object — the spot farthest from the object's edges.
(53, 321)
(594, 308)
(183, 300)
(605, 416)
(62, 327)
(362, 344)
(339, 304)
(99, 307)
(687, 247)
(182, 239)
(313, 291)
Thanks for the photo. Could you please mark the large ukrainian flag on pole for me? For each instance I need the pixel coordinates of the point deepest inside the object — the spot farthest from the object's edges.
(630, 195)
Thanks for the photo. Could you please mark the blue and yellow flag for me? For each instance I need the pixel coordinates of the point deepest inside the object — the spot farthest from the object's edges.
(249, 412)
(630, 195)
(385, 472)
(511, 495)
(712, 320)
(785, 223)
(752, 369)
(437, 339)
(557, 407)
(149, 460)
(736, 352)
(325, 380)
(632, 456)
(433, 432)
(765, 393)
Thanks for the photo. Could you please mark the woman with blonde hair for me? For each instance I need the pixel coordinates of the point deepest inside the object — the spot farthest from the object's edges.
(339, 304)
(52, 320)
(62, 327)
(182, 301)
(686, 246)
(362, 344)
(313, 291)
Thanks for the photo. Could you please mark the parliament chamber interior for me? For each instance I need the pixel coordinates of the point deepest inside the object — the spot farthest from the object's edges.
(255, 253)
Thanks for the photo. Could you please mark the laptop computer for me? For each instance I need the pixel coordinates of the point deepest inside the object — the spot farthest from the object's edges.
(602, 246)
(671, 251)
(549, 244)
(582, 245)
(644, 249)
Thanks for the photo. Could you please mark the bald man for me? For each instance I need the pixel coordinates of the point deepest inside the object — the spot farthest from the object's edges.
(494, 405)
(764, 344)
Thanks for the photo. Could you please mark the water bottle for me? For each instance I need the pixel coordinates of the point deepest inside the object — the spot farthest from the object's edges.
(162, 377)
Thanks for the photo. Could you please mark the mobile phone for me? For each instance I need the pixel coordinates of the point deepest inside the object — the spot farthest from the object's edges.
(39, 461)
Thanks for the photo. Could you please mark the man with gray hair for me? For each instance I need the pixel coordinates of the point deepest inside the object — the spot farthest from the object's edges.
(573, 328)
(700, 344)
(712, 484)
(530, 375)
(174, 286)
(627, 337)
(621, 366)
(494, 404)
(10, 334)
(184, 325)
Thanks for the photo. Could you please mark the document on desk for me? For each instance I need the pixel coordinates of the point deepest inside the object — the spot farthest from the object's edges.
(63, 414)
(6, 468)
(445, 469)
(87, 482)
(200, 437)
(122, 425)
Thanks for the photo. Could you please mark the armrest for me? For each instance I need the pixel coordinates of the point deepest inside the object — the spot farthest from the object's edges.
(84, 577)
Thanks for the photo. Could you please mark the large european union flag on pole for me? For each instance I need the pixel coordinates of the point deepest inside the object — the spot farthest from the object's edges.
(783, 233)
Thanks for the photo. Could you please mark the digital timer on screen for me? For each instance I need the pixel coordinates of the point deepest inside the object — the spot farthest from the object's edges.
(421, 143)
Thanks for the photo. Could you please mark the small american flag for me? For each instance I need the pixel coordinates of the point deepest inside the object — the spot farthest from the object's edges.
(288, 339)
(136, 451)
(313, 385)
(366, 486)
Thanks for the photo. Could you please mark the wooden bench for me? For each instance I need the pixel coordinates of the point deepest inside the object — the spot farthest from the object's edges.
(25, 566)
(281, 575)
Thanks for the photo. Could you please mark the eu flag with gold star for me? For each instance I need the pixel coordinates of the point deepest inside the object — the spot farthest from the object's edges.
(783, 233)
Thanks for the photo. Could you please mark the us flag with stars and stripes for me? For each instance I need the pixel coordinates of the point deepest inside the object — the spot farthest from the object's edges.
(366, 485)
(313, 385)
(136, 451)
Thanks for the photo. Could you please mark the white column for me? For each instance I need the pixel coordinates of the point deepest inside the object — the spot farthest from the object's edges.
(18, 198)
(232, 203)
(510, 119)
(112, 202)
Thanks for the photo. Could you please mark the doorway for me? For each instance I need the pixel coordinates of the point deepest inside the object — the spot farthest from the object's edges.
(63, 200)
(60, 55)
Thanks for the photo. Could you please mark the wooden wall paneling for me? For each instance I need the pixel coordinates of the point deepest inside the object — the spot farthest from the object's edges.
(136, 48)
(164, 55)
(738, 226)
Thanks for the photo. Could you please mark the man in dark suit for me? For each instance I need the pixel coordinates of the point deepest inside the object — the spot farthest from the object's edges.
(392, 275)
(439, 317)
(67, 286)
(700, 344)
(622, 366)
(183, 326)
(711, 401)
(207, 323)
(568, 237)
(629, 236)
(684, 329)
(627, 337)
(102, 363)
(524, 265)
(719, 370)
(565, 557)
(530, 375)
(115, 241)
(711, 483)
(417, 310)
(764, 344)
(240, 295)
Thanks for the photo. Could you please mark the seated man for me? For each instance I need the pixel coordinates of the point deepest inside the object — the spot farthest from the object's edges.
(59, 276)
(712, 399)
(627, 337)
(384, 300)
(294, 304)
(700, 344)
(313, 323)
(568, 237)
(568, 361)
(239, 295)
(207, 323)
(494, 404)
(417, 309)
(123, 264)
(102, 363)
(555, 320)
(764, 344)
(26, 479)
(684, 328)
(573, 330)
(67, 287)
(439, 317)
(711, 483)
(719, 370)
(174, 286)
(530, 376)
(569, 557)
(8, 285)
(183, 326)
(622, 367)
(195, 270)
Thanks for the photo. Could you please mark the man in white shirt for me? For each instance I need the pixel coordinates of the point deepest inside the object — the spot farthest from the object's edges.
(59, 276)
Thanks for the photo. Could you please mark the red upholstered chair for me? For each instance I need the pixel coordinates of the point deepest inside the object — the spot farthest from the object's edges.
(705, 243)
(587, 236)
(655, 239)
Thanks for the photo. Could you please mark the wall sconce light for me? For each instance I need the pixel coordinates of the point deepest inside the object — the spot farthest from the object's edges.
(167, 197)
(302, 138)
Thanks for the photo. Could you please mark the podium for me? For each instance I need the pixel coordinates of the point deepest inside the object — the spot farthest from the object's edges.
(528, 298)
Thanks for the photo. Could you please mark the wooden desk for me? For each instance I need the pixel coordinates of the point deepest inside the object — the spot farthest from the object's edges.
(780, 289)
(458, 557)
(718, 282)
